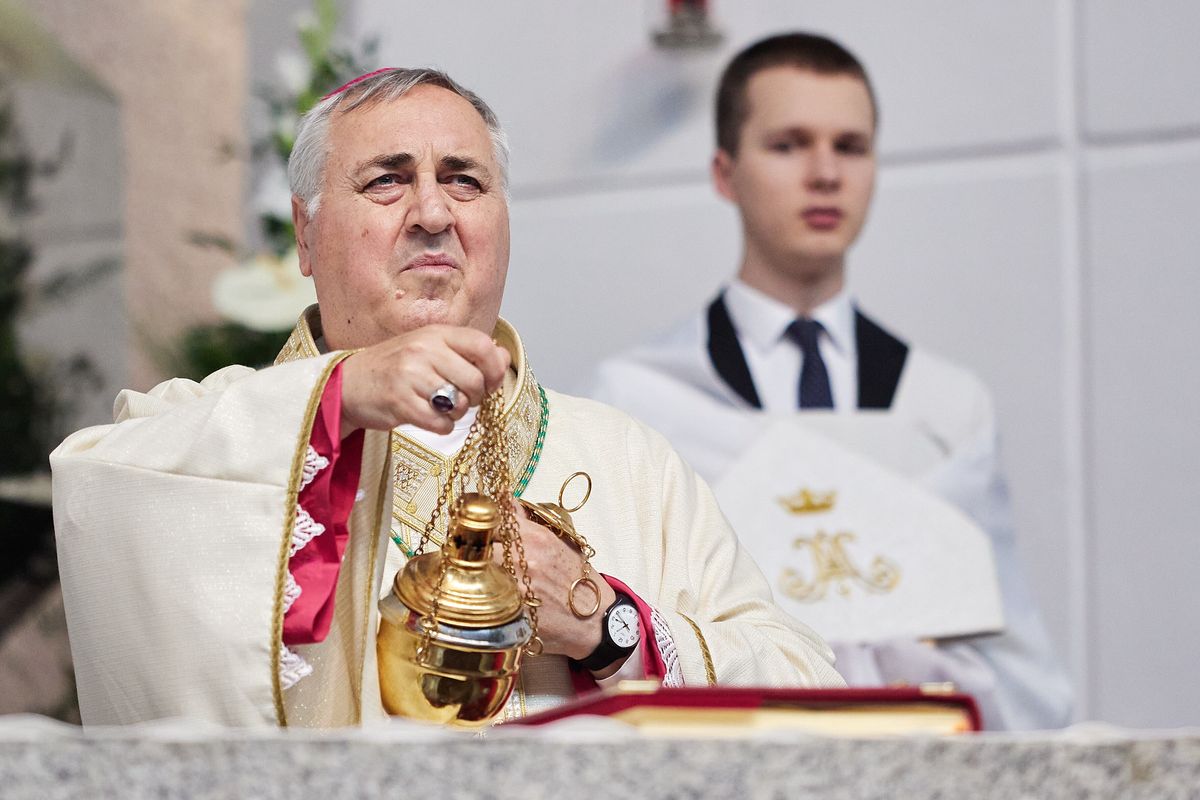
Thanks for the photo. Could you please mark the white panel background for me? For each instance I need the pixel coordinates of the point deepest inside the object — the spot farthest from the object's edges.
(1030, 222)
(1143, 285)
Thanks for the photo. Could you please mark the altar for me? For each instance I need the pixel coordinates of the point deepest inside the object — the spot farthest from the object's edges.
(584, 757)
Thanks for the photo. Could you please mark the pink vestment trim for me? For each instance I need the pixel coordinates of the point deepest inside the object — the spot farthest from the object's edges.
(353, 81)
(652, 660)
(327, 499)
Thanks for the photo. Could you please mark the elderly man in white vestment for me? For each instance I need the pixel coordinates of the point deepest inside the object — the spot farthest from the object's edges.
(223, 544)
(796, 128)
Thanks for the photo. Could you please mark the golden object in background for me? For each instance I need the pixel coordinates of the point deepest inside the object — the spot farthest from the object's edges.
(461, 670)
(806, 501)
(832, 566)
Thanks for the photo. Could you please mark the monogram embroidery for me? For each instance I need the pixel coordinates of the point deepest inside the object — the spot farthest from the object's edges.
(832, 566)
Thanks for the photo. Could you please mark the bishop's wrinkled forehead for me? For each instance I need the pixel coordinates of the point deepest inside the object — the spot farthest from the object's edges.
(307, 163)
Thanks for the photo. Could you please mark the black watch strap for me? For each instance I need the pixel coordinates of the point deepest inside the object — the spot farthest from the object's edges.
(608, 651)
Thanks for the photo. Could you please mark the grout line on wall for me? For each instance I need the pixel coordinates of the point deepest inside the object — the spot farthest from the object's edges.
(998, 155)
(608, 184)
(998, 151)
(1156, 138)
(1146, 152)
(1076, 374)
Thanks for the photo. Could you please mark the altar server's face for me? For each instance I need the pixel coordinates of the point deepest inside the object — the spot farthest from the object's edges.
(412, 227)
(804, 171)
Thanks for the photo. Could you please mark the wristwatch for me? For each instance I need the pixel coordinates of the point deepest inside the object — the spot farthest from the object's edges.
(620, 632)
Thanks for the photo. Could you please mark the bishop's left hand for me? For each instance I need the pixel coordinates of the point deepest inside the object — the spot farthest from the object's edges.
(553, 566)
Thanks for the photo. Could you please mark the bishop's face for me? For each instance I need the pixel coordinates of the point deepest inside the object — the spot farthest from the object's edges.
(412, 226)
(805, 168)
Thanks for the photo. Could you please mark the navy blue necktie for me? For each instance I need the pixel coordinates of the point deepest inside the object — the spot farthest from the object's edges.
(814, 378)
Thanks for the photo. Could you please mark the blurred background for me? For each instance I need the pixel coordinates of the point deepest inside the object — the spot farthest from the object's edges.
(1037, 218)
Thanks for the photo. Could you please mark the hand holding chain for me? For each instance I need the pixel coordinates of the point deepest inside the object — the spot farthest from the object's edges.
(557, 518)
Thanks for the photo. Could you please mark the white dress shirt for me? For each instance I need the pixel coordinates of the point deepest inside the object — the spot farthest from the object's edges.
(775, 359)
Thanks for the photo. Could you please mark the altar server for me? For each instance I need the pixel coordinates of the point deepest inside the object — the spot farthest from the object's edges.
(784, 343)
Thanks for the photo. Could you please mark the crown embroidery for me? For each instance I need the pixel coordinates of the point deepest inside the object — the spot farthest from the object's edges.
(806, 501)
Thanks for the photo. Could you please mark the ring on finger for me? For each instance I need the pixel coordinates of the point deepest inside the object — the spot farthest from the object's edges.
(444, 398)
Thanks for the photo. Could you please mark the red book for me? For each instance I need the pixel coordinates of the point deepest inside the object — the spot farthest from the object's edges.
(723, 711)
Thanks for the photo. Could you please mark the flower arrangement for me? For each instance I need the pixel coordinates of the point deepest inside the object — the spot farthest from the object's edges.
(260, 299)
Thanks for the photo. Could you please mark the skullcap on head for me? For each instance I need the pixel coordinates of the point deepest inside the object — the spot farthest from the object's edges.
(353, 81)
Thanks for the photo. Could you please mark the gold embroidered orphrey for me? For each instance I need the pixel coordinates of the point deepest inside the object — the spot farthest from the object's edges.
(417, 471)
(832, 566)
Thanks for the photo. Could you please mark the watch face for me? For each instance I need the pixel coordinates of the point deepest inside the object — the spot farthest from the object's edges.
(623, 626)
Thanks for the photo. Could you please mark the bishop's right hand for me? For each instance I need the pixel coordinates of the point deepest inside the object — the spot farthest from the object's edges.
(390, 383)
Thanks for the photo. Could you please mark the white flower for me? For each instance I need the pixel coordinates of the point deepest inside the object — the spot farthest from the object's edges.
(273, 196)
(285, 124)
(293, 70)
(265, 294)
(304, 20)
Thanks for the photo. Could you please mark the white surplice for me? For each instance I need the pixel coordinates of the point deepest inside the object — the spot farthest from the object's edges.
(671, 383)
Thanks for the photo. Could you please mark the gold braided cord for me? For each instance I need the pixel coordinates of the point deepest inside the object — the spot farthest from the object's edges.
(710, 672)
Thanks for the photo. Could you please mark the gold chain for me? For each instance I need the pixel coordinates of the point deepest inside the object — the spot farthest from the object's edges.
(485, 452)
(558, 520)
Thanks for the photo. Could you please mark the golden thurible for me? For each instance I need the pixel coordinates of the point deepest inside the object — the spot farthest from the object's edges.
(453, 631)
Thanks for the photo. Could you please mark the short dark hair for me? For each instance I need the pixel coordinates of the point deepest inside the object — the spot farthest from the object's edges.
(804, 51)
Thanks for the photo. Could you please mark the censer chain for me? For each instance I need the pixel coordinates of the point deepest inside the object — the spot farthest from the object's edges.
(487, 441)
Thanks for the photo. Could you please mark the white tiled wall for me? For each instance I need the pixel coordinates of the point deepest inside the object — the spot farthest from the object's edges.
(1037, 219)
(1143, 210)
(1140, 71)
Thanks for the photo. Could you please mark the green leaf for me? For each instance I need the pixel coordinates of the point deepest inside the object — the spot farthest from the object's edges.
(208, 348)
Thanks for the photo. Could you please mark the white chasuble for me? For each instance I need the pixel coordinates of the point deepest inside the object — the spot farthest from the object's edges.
(172, 528)
(174, 525)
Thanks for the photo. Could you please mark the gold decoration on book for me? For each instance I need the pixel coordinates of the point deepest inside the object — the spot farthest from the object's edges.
(832, 566)
(806, 501)
(456, 626)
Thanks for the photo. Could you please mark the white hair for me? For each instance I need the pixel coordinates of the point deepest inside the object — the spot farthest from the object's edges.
(306, 166)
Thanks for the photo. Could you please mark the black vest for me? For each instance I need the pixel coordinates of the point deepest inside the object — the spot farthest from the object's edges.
(881, 358)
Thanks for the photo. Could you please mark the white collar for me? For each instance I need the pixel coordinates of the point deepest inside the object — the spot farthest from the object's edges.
(447, 444)
(763, 320)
